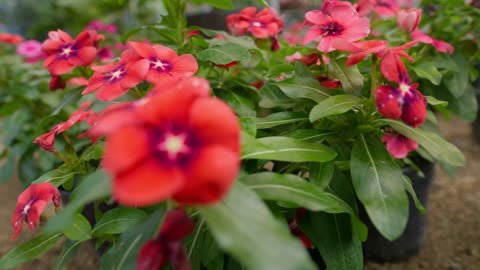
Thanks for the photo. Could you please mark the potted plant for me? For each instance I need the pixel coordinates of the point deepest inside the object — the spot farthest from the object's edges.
(230, 150)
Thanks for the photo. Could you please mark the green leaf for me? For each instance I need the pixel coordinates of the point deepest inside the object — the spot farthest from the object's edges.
(310, 135)
(286, 149)
(321, 173)
(69, 98)
(272, 96)
(29, 250)
(7, 169)
(435, 102)
(303, 85)
(223, 4)
(69, 249)
(293, 189)
(435, 145)
(239, 229)
(350, 77)
(334, 105)
(332, 234)
(280, 118)
(224, 54)
(429, 71)
(378, 184)
(117, 221)
(93, 187)
(57, 176)
(408, 186)
(80, 229)
(123, 256)
(94, 152)
(243, 106)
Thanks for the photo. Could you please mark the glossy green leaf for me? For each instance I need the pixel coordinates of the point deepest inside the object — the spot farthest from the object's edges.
(435, 145)
(303, 85)
(272, 96)
(321, 173)
(68, 99)
(310, 135)
(286, 149)
(80, 229)
(293, 189)
(57, 176)
(241, 104)
(117, 221)
(378, 183)
(29, 250)
(123, 256)
(429, 71)
(224, 54)
(349, 76)
(408, 186)
(251, 233)
(280, 118)
(435, 102)
(94, 152)
(334, 105)
(93, 187)
(69, 249)
(332, 234)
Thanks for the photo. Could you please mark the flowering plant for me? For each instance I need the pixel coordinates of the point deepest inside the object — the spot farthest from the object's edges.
(223, 150)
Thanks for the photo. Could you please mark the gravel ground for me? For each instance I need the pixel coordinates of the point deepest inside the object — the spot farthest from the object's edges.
(453, 232)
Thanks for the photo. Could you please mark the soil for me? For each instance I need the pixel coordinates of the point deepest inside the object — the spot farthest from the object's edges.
(453, 215)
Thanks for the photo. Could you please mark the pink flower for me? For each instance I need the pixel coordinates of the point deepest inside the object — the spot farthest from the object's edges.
(408, 19)
(101, 27)
(32, 50)
(440, 45)
(31, 203)
(293, 34)
(337, 21)
(398, 145)
(309, 59)
(404, 102)
(384, 8)
(266, 23)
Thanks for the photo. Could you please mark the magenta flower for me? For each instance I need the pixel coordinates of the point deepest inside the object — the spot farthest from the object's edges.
(31, 50)
(398, 145)
(440, 45)
(337, 21)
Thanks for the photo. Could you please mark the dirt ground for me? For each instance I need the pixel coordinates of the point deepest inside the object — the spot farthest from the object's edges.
(453, 233)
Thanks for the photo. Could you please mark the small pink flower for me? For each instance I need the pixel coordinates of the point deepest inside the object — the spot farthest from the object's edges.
(101, 27)
(398, 145)
(337, 21)
(32, 50)
(409, 19)
(384, 8)
(266, 23)
(440, 45)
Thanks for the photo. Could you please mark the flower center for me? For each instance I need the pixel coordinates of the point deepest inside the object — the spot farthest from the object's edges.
(404, 88)
(67, 51)
(160, 65)
(257, 24)
(332, 29)
(174, 145)
(26, 208)
(116, 74)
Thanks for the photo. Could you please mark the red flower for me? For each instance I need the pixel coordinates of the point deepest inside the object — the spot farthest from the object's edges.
(31, 203)
(56, 83)
(178, 143)
(65, 53)
(165, 63)
(328, 82)
(79, 81)
(404, 102)
(101, 27)
(337, 21)
(47, 140)
(440, 45)
(263, 24)
(384, 8)
(10, 38)
(168, 244)
(309, 59)
(398, 145)
(409, 19)
(115, 79)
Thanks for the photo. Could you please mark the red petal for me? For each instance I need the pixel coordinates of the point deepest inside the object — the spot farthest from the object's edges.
(414, 111)
(165, 53)
(94, 83)
(148, 183)
(387, 99)
(184, 66)
(393, 68)
(142, 49)
(84, 57)
(125, 148)
(59, 67)
(135, 73)
(34, 213)
(152, 256)
(110, 91)
(212, 129)
(210, 176)
(177, 225)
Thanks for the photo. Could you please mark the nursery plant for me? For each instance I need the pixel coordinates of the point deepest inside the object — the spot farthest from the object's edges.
(252, 148)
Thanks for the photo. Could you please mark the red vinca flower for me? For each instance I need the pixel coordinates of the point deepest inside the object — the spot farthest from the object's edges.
(65, 53)
(10, 38)
(266, 23)
(398, 145)
(115, 79)
(404, 102)
(168, 244)
(47, 140)
(384, 8)
(165, 64)
(31, 203)
(337, 21)
(440, 45)
(178, 143)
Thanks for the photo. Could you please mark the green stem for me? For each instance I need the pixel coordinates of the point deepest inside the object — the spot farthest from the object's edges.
(63, 157)
(374, 77)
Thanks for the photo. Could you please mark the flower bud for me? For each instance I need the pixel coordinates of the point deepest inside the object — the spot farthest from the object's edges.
(409, 19)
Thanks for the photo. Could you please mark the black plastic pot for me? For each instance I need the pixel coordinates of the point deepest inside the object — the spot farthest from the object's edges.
(378, 248)
(476, 123)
